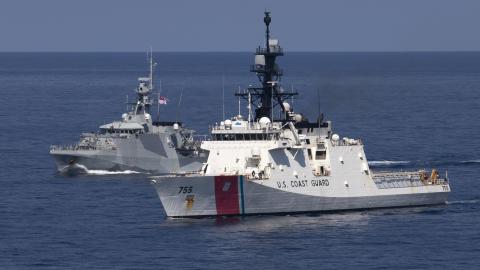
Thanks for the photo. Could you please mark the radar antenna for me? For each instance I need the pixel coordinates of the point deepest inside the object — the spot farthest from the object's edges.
(270, 94)
(144, 88)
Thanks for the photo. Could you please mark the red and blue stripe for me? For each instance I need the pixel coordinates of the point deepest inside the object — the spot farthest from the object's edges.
(229, 196)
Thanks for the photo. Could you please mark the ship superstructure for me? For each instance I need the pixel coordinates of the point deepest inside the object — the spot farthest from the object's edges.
(286, 165)
(135, 142)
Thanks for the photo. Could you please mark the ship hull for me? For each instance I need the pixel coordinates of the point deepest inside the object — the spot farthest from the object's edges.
(78, 161)
(234, 195)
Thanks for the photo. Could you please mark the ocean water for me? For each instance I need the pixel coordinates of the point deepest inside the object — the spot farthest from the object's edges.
(412, 110)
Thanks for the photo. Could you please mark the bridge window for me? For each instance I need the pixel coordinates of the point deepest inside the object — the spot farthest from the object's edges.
(245, 137)
(320, 155)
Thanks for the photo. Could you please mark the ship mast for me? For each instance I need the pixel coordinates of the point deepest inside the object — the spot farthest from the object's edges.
(151, 70)
(144, 88)
(270, 94)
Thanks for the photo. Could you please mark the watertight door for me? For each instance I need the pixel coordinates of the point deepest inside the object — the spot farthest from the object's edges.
(226, 195)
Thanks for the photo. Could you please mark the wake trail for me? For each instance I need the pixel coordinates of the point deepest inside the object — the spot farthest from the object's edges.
(82, 169)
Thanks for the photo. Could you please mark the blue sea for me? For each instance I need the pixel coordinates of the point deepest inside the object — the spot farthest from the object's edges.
(412, 111)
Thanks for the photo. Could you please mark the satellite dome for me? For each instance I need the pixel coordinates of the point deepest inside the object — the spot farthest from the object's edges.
(176, 126)
(335, 137)
(264, 121)
(298, 117)
(228, 124)
(148, 117)
(286, 106)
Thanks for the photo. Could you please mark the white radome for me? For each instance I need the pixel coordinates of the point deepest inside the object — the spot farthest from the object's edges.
(148, 117)
(264, 121)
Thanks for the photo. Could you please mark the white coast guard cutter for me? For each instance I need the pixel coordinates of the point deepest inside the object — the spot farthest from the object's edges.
(289, 165)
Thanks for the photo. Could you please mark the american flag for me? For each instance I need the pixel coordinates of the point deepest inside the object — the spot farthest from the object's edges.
(162, 100)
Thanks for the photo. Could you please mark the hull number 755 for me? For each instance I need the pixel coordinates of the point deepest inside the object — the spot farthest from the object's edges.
(185, 189)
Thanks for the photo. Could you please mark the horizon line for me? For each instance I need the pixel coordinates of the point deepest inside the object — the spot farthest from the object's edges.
(293, 51)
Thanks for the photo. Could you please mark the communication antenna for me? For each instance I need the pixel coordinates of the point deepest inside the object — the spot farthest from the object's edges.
(151, 69)
(178, 105)
(249, 108)
(158, 99)
(318, 100)
(239, 102)
(223, 97)
(158, 106)
(151, 66)
(291, 91)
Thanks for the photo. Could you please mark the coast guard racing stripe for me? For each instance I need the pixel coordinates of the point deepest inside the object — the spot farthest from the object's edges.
(226, 195)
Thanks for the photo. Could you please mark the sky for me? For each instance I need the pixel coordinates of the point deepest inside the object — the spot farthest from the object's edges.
(225, 25)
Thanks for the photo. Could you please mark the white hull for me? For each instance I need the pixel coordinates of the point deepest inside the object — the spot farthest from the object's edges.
(234, 195)
(288, 165)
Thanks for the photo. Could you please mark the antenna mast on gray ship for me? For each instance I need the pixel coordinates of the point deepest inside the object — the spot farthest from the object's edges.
(144, 89)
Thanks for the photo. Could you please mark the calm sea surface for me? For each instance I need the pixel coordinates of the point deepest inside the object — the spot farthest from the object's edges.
(412, 110)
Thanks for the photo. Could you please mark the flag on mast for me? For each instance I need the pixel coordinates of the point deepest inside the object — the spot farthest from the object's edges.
(162, 100)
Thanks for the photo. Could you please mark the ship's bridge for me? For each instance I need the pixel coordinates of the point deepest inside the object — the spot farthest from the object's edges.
(121, 127)
(242, 130)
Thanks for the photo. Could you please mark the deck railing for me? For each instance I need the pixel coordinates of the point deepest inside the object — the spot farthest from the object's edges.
(347, 142)
(76, 147)
(405, 179)
(72, 147)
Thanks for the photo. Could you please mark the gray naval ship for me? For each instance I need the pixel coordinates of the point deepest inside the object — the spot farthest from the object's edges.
(134, 143)
(263, 165)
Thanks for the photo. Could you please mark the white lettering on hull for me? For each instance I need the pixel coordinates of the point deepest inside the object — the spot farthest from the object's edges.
(302, 183)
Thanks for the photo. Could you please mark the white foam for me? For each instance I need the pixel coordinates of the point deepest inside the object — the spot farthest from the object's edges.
(82, 169)
(471, 161)
(104, 172)
(387, 162)
(79, 166)
(464, 202)
(75, 168)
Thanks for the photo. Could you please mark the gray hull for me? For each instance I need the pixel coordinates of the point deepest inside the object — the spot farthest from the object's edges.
(232, 195)
(70, 162)
(135, 142)
(146, 153)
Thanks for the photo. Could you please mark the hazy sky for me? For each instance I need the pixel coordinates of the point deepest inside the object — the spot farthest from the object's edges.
(224, 25)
